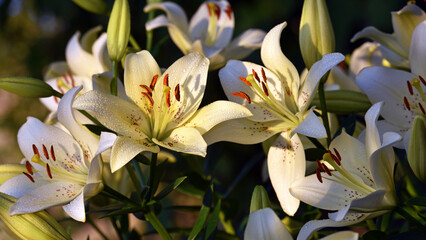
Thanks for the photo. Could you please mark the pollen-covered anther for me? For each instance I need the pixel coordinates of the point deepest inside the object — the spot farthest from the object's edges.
(335, 159)
(213, 8)
(244, 80)
(29, 167)
(410, 88)
(422, 109)
(407, 105)
(177, 92)
(151, 101)
(147, 89)
(29, 176)
(49, 173)
(326, 170)
(242, 95)
(265, 89)
(153, 82)
(319, 175)
(228, 11)
(52, 153)
(320, 166)
(45, 152)
(255, 75)
(263, 75)
(72, 79)
(422, 80)
(168, 99)
(337, 154)
(35, 150)
(166, 80)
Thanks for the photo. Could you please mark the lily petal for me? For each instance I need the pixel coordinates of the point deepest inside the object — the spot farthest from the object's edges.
(417, 50)
(56, 69)
(311, 126)
(184, 139)
(265, 224)
(75, 209)
(214, 113)
(175, 14)
(342, 235)
(20, 185)
(404, 22)
(286, 164)
(125, 149)
(80, 61)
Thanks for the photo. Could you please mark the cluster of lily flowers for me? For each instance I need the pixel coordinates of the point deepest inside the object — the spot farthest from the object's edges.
(150, 110)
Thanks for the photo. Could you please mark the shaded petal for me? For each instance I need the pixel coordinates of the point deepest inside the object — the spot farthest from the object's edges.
(383, 126)
(56, 69)
(404, 22)
(117, 114)
(418, 49)
(20, 185)
(46, 196)
(311, 126)
(75, 209)
(393, 58)
(242, 131)
(372, 137)
(125, 149)
(175, 14)
(366, 55)
(239, 48)
(80, 61)
(286, 164)
(229, 78)
(342, 235)
(307, 90)
(214, 113)
(265, 224)
(100, 53)
(184, 139)
(275, 60)
(102, 82)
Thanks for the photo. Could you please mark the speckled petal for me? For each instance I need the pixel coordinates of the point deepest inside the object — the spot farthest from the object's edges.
(186, 140)
(75, 209)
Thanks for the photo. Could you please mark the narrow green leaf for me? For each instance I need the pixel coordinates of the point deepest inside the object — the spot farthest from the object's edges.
(418, 201)
(122, 212)
(199, 224)
(213, 221)
(172, 186)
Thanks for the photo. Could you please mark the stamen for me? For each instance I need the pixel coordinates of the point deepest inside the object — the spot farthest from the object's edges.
(326, 170)
(153, 82)
(65, 78)
(228, 11)
(46, 154)
(72, 79)
(168, 99)
(422, 109)
(177, 92)
(166, 80)
(29, 167)
(337, 154)
(48, 171)
(407, 105)
(242, 95)
(263, 75)
(52, 153)
(319, 175)
(334, 158)
(410, 88)
(265, 89)
(35, 150)
(423, 80)
(151, 101)
(255, 75)
(320, 165)
(29, 176)
(147, 89)
(244, 80)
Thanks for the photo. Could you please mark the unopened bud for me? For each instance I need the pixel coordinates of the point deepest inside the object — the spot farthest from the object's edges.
(27, 87)
(416, 148)
(344, 101)
(94, 6)
(259, 199)
(118, 32)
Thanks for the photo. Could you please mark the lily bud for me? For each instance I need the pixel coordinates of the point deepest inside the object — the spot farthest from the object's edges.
(39, 225)
(316, 36)
(259, 199)
(344, 101)
(27, 87)
(94, 6)
(8, 171)
(416, 148)
(118, 32)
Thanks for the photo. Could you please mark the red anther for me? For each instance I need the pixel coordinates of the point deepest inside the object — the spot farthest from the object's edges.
(166, 80)
(46, 154)
(342, 65)
(72, 79)
(422, 80)
(244, 80)
(337, 154)
(151, 101)
(255, 75)
(65, 78)
(422, 109)
(177, 92)
(29, 167)
(228, 11)
(407, 105)
(263, 74)
(217, 11)
(153, 82)
(320, 165)
(326, 170)
(52, 153)
(168, 98)
(56, 99)
(334, 158)
(265, 89)
(410, 88)
(146, 88)
(242, 95)
(28, 176)
(48, 171)
(35, 150)
(208, 8)
(319, 175)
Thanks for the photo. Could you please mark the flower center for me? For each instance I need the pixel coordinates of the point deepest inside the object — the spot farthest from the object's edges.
(417, 101)
(213, 32)
(64, 83)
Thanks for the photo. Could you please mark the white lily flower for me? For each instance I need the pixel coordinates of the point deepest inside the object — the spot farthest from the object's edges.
(360, 186)
(395, 47)
(209, 32)
(279, 100)
(159, 114)
(403, 92)
(62, 168)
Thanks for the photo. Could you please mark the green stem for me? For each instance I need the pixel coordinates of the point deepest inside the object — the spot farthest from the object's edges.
(118, 196)
(134, 178)
(155, 222)
(135, 44)
(138, 172)
(114, 78)
(152, 170)
(149, 34)
(94, 120)
(90, 221)
(316, 143)
(371, 225)
(227, 225)
(324, 114)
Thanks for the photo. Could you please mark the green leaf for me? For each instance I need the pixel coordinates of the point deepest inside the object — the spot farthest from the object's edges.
(374, 235)
(28, 87)
(213, 221)
(94, 6)
(199, 224)
(172, 186)
(418, 201)
(122, 212)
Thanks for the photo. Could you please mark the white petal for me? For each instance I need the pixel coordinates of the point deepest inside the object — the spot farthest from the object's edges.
(311, 126)
(389, 85)
(175, 13)
(307, 90)
(286, 164)
(184, 139)
(46, 196)
(241, 131)
(372, 138)
(393, 58)
(366, 55)
(117, 114)
(383, 126)
(102, 82)
(80, 61)
(342, 235)
(125, 149)
(55, 69)
(100, 53)
(276, 61)
(214, 113)
(404, 22)
(229, 78)
(75, 209)
(106, 141)
(264, 224)
(20, 185)
(418, 49)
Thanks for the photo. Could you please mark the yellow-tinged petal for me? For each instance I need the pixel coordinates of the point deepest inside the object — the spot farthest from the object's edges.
(184, 139)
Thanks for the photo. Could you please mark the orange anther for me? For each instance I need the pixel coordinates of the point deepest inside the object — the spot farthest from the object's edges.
(244, 80)
(242, 95)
